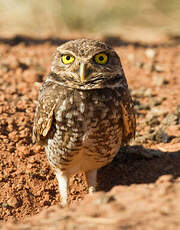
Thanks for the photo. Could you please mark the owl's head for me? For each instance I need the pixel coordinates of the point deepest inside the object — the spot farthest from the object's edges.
(85, 64)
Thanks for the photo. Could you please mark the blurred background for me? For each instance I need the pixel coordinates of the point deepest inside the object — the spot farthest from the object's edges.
(131, 19)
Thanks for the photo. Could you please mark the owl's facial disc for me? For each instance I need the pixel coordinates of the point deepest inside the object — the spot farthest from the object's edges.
(83, 67)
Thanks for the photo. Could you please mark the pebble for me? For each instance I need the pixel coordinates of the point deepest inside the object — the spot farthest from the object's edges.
(142, 92)
(141, 107)
(160, 136)
(138, 92)
(148, 92)
(152, 120)
(141, 139)
(158, 111)
(155, 102)
(4, 205)
(158, 68)
(149, 66)
(164, 178)
(12, 201)
(159, 80)
(139, 64)
(150, 53)
(130, 57)
(170, 119)
(104, 199)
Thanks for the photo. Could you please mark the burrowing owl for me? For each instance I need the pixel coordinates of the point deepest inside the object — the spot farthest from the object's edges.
(85, 111)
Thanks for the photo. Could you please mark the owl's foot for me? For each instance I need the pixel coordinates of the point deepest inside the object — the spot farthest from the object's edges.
(91, 180)
(63, 186)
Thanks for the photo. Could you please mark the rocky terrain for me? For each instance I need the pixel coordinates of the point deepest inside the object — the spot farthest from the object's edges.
(139, 190)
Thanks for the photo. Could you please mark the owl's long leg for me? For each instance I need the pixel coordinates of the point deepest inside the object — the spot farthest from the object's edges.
(91, 180)
(63, 181)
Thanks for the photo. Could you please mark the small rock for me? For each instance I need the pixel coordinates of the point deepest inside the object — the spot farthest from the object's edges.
(152, 120)
(139, 64)
(141, 139)
(138, 92)
(170, 119)
(155, 102)
(149, 67)
(4, 205)
(37, 84)
(130, 57)
(159, 80)
(141, 107)
(158, 68)
(160, 136)
(148, 92)
(164, 178)
(5, 67)
(158, 111)
(142, 92)
(150, 53)
(104, 199)
(12, 201)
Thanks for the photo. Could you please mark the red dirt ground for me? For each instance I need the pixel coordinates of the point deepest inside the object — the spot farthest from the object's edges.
(135, 192)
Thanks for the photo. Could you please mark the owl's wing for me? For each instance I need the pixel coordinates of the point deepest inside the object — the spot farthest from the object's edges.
(44, 113)
(128, 115)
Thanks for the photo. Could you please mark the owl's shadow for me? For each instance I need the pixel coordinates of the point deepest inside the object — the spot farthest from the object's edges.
(138, 165)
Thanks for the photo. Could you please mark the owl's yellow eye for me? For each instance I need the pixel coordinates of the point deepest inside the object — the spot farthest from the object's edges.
(101, 58)
(67, 58)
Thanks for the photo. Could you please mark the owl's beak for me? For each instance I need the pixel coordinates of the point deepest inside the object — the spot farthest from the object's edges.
(82, 72)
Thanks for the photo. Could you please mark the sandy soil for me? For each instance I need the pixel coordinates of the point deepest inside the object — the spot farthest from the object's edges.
(140, 189)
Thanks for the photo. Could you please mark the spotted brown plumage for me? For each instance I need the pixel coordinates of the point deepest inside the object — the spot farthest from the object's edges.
(84, 112)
